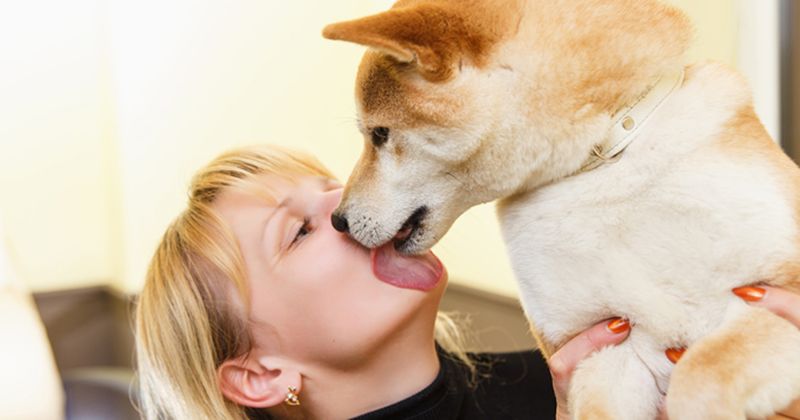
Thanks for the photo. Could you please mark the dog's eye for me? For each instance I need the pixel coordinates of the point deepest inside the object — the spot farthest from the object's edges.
(379, 136)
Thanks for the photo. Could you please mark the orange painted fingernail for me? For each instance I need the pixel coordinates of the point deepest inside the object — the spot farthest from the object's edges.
(750, 293)
(674, 354)
(618, 325)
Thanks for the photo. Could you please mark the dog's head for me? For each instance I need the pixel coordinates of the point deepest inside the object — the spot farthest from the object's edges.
(464, 101)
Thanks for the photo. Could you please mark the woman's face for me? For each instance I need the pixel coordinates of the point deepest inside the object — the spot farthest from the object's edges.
(314, 296)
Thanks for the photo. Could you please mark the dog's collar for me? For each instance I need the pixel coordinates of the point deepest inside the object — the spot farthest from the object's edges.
(629, 121)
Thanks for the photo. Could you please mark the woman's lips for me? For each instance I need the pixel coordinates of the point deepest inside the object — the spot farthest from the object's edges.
(420, 272)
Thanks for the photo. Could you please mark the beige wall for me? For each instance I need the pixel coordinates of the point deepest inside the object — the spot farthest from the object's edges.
(200, 80)
(54, 139)
(113, 104)
(716, 24)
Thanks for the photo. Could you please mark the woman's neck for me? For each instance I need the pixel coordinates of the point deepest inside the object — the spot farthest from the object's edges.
(402, 366)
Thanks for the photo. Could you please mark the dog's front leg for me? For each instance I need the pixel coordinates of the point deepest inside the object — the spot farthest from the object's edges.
(614, 384)
(748, 368)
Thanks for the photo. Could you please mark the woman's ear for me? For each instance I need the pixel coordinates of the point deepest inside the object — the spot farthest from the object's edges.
(258, 383)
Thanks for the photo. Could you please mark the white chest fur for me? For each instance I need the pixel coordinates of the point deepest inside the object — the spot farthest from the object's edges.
(660, 237)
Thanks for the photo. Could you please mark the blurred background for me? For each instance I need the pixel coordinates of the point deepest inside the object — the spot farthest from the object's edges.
(107, 107)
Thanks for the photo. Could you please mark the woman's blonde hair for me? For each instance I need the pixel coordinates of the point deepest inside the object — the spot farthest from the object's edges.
(192, 312)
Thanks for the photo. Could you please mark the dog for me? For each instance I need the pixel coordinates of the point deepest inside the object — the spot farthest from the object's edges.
(629, 183)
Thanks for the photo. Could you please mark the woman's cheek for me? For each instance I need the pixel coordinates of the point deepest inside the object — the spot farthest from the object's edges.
(317, 266)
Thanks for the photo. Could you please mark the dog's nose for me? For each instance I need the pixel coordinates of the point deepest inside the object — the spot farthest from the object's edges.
(340, 223)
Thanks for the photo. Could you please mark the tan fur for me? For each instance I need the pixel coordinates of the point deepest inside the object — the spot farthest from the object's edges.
(621, 65)
(389, 93)
(365, 165)
(502, 99)
(454, 30)
(595, 408)
(715, 377)
(787, 276)
(382, 89)
(745, 138)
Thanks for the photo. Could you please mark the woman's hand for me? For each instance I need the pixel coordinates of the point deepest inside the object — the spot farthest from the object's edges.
(785, 304)
(563, 362)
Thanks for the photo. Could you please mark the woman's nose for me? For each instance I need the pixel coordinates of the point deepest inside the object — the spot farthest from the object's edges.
(331, 200)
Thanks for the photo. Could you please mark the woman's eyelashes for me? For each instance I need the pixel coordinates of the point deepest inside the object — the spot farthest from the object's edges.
(303, 231)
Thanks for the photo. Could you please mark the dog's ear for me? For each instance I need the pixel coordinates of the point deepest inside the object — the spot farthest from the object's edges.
(433, 37)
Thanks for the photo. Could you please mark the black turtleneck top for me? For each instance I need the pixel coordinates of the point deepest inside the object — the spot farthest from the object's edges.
(507, 386)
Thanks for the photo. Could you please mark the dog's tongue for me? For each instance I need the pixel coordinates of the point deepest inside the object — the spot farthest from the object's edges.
(421, 272)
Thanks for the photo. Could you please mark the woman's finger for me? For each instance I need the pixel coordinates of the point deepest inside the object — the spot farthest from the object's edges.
(563, 362)
(781, 302)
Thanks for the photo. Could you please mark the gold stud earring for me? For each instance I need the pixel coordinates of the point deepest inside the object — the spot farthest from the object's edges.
(292, 397)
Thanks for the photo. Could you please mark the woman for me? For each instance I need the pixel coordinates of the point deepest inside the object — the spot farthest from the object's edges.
(255, 307)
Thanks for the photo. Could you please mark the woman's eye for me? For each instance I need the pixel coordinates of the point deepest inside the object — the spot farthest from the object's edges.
(379, 136)
(304, 230)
